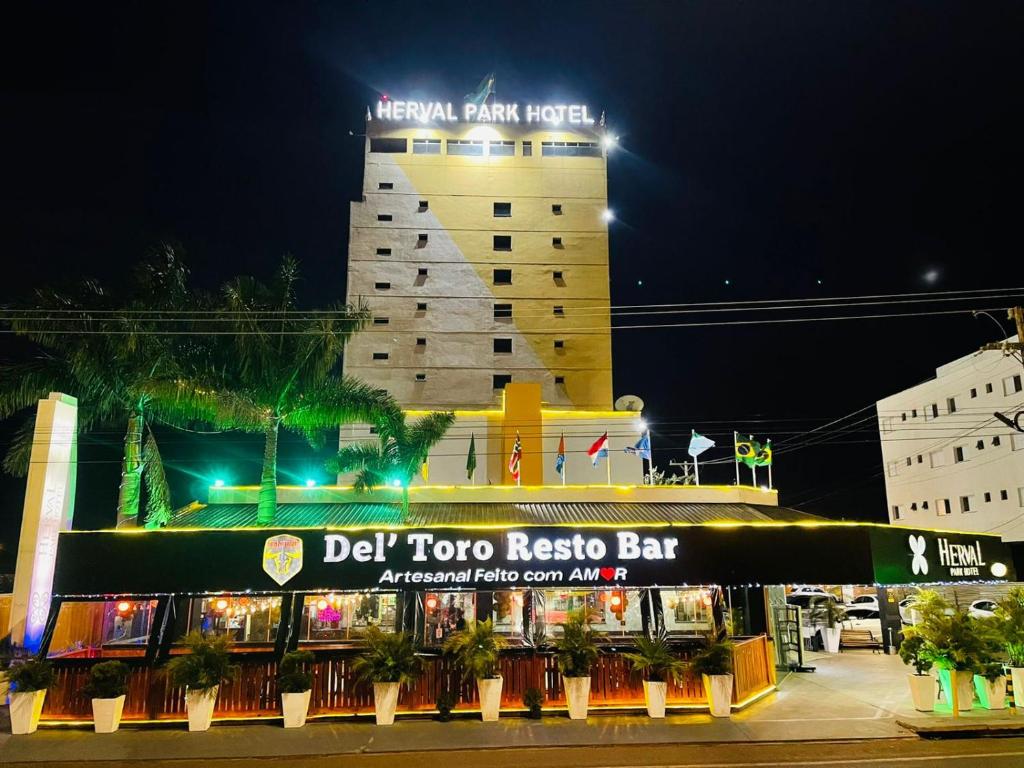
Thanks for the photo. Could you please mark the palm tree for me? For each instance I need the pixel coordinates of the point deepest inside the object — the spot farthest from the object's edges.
(278, 367)
(114, 359)
(397, 455)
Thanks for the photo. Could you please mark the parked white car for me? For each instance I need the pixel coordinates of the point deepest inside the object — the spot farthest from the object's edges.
(864, 618)
(905, 613)
(864, 601)
(982, 609)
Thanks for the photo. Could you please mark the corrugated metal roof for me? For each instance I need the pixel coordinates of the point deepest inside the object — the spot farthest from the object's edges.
(426, 515)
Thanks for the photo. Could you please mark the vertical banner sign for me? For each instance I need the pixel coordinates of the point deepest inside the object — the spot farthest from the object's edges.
(49, 507)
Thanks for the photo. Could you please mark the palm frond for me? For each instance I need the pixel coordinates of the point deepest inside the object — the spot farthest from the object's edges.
(344, 400)
(158, 494)
(19, 452)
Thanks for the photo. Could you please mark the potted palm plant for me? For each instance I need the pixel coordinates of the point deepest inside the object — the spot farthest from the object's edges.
(714, 665)
(656, 662)
(955, 643)
(1009, 629)
(576, 651)
(533, 700)
(830, 615)
(28, 683)
(295, 683)
(922, 685)
(388, 661)
(200, 672)
(107, 687)
(990, 684)
(478, 649)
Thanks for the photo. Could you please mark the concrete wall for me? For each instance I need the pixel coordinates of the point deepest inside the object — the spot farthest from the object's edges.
(925, 429)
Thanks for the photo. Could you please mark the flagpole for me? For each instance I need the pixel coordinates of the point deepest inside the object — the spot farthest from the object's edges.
(770, 486)
(735, 456)
(650, 453)
(696, 472)
(608, 463)
(753, 467)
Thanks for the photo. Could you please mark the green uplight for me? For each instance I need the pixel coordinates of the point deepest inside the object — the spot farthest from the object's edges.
(310, 482)
(218, 483)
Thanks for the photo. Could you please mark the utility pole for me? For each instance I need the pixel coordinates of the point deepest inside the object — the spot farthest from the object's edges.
(1009, 347)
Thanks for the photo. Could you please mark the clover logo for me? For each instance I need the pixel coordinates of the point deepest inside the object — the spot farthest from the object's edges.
(918, 565)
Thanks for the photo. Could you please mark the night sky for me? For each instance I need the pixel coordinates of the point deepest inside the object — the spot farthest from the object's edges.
(792, 149)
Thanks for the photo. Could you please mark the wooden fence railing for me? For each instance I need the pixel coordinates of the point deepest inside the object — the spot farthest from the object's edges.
(254, 693)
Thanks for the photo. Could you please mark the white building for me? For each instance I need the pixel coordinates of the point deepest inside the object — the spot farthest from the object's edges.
(948, 461)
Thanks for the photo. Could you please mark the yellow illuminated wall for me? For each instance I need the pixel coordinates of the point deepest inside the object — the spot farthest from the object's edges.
(424, 235)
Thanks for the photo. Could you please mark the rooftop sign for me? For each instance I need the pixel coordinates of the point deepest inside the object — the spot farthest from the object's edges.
(446, 112)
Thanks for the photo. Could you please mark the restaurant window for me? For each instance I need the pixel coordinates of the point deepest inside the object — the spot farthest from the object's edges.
(507, 613)
(98, 629)
(501, 148)
(687, 611)
(426, 146)
(445, 613)
(389, 146)
(243, 618)
(465, 147)
(612, 611)
(339, 617)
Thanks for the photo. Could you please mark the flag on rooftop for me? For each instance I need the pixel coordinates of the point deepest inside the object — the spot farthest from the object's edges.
(599, 450)
(699, 444)
(485, 89)
(471, 458)
(642, 447)
(560, 458)
(515, 459)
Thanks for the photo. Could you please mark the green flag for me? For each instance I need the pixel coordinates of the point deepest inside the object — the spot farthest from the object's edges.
(747, 451)
(471, 458)
(485, 89)
(763, 457)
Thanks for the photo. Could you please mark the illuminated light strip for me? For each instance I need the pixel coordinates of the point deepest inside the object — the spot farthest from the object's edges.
(754, 697)
(414, 489)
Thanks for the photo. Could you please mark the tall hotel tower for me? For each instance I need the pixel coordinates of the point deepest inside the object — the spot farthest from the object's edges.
(481, 248)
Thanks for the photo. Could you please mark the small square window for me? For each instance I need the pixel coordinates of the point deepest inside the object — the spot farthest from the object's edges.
(909, 462)
(421, 377)
(559, 310)
(424, 205)
(381, 320)
(380, 355)
(974, 392)
(920, 459)
(913, 413)
(502, 311)
(556, 275)
(422, 271)
(422, 237)
(382, 286)
(913, 506)
(383, 251)
(966, 503)
(499, 380)
(556, 242)
(559, 379)
(1004, 495)
(988, 389)
(421, 306)
(503, 242)
(980, 445)
(421, 342)
(935, 410)
(903, 416)
(895, 512)
(502, 210)
(943, 507)
(556, 208)
(988, 497)
(527, 149)
(924, 505)
(951, 404)
(386, 185)
(559, 343)
(503, 277)
(383, 217)
(502, 346)
(958, 454)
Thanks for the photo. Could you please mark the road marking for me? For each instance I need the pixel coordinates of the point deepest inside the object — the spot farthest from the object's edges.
(840, 761)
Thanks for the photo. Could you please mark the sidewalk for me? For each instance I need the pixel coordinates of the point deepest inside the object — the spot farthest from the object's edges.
(851, 696)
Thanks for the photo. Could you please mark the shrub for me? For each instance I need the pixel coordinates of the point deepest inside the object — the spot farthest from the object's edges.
(30, 675)
(576, 649)
(654, 659)
(293, 675)
(716, 659)
(910, 651)
(1009, 625)
(389, 657)
(477, 649)
(952, 639)
(445, 702)
(107, 680)
(205, 665)
(533, 700)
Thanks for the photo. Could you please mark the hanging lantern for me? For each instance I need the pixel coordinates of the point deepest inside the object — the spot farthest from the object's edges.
(431, 602)
(124, 606)
(321, 604)
(221, 604)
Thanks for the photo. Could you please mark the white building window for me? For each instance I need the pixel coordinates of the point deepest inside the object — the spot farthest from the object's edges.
(501, 148)
(1020, 496)
(1012, 385)
(1017, 442)
(895, 512)
(426, 146)
(943, 507)
(894, 468)
(465, 147)
(958, 454)
(937, 459)
(967, 504)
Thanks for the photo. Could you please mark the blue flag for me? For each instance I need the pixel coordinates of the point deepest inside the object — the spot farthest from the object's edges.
(642, 447)
(560, 458)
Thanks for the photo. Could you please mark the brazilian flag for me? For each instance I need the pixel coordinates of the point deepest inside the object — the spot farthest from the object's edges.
(747, 450)
(763, 457)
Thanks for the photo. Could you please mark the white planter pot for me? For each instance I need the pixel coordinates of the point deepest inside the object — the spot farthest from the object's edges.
(25, 711)
(295, 707)
(385, 702)
(831, 636)
(1017, 678)
(991, 694)
(106, 714)
(489, 689)
(965, 689)
(199, 704)
(922, 691)
(654, 697)
(719, 692)
(577, 695)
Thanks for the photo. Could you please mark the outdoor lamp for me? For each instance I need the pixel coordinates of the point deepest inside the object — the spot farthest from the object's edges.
(607, 216)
